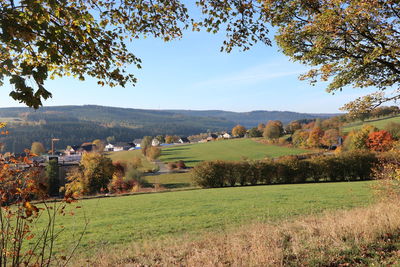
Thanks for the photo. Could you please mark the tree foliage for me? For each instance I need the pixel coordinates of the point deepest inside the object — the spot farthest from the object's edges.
(93, 175)
(349, 42)
(99, 145)
(273, 130)
(239, 130)
(380, 141)
(145, 144)
(254, 132)
(53, 179)
(46, 39)
(358, 139)
(330, 137)
(37, 148)
(315, 136)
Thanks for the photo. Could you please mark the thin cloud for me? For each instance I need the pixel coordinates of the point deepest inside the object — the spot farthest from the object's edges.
(252, 75)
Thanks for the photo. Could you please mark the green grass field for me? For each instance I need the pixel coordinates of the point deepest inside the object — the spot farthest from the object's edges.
(235, 149)
(120, 220)
(171, 180)
(378, 123)
(127, 156)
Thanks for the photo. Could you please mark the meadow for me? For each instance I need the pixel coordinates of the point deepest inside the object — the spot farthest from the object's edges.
(378, 123)
(171, 180)
(235, 149)
(144, 217)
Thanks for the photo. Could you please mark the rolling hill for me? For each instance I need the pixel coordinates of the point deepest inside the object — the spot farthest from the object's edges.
(78, 124)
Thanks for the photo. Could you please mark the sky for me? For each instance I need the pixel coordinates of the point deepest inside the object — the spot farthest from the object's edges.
(192, 73)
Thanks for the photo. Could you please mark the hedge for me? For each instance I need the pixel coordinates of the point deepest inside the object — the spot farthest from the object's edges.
(347, 166)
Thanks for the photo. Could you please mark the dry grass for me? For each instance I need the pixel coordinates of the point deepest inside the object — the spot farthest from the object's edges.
(332, 239)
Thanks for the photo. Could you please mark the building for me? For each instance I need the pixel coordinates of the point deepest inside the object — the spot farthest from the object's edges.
(183, 140)
(155, 142)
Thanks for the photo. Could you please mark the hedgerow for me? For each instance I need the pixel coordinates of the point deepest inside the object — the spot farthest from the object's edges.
(347, 166)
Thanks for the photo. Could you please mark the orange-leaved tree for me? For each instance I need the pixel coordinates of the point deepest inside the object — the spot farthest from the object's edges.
(23, 200)
(380, 141)
(239, 130)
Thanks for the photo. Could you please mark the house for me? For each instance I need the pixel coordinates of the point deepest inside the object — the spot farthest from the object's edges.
(155, 142)
(118, 148)
(226, 136)
(109, 147)
(183, 140)
(71, 150)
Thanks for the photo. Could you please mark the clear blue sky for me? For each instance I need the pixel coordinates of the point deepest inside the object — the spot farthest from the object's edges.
(191, 73)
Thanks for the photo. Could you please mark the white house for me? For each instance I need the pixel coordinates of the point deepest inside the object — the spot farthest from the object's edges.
(109, 147)
(155, 142)
(227, 136)
(118, 148)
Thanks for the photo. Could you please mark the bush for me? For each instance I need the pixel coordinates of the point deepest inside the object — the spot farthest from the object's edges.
(178, 165)
(346, 166)
(153, 153)
(172, 166)
(181, 164)
(209, 174)
(388, 175)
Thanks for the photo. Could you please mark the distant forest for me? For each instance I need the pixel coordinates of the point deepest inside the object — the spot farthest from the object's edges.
(75, 125)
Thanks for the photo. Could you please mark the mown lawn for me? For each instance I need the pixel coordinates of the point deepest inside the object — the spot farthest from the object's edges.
(171, 180)
(120, 220)
(378, 123)
(235, 149)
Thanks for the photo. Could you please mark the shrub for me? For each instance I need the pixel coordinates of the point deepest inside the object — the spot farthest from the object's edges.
(353, 165)
(388, 175)
(172, 166)
(180, 164)
(153, 153)
(209, 174)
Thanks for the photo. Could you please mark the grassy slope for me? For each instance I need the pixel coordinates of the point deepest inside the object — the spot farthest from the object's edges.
(379, 123)
(121, 220)
(234, 149)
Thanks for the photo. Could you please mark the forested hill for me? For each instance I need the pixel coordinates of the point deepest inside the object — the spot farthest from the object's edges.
(78, 124)
(253, 118)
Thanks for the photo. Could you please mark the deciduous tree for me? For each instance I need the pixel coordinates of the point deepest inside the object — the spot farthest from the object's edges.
(53, 179)
(37, 148)
(380, 141)
(330, 137)
(93, 175)
(145, 144)
(358, 139)
(239, 130)
(315, 136)
(254, 132)
(273, 130)
(348, 42)
(99, 145)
